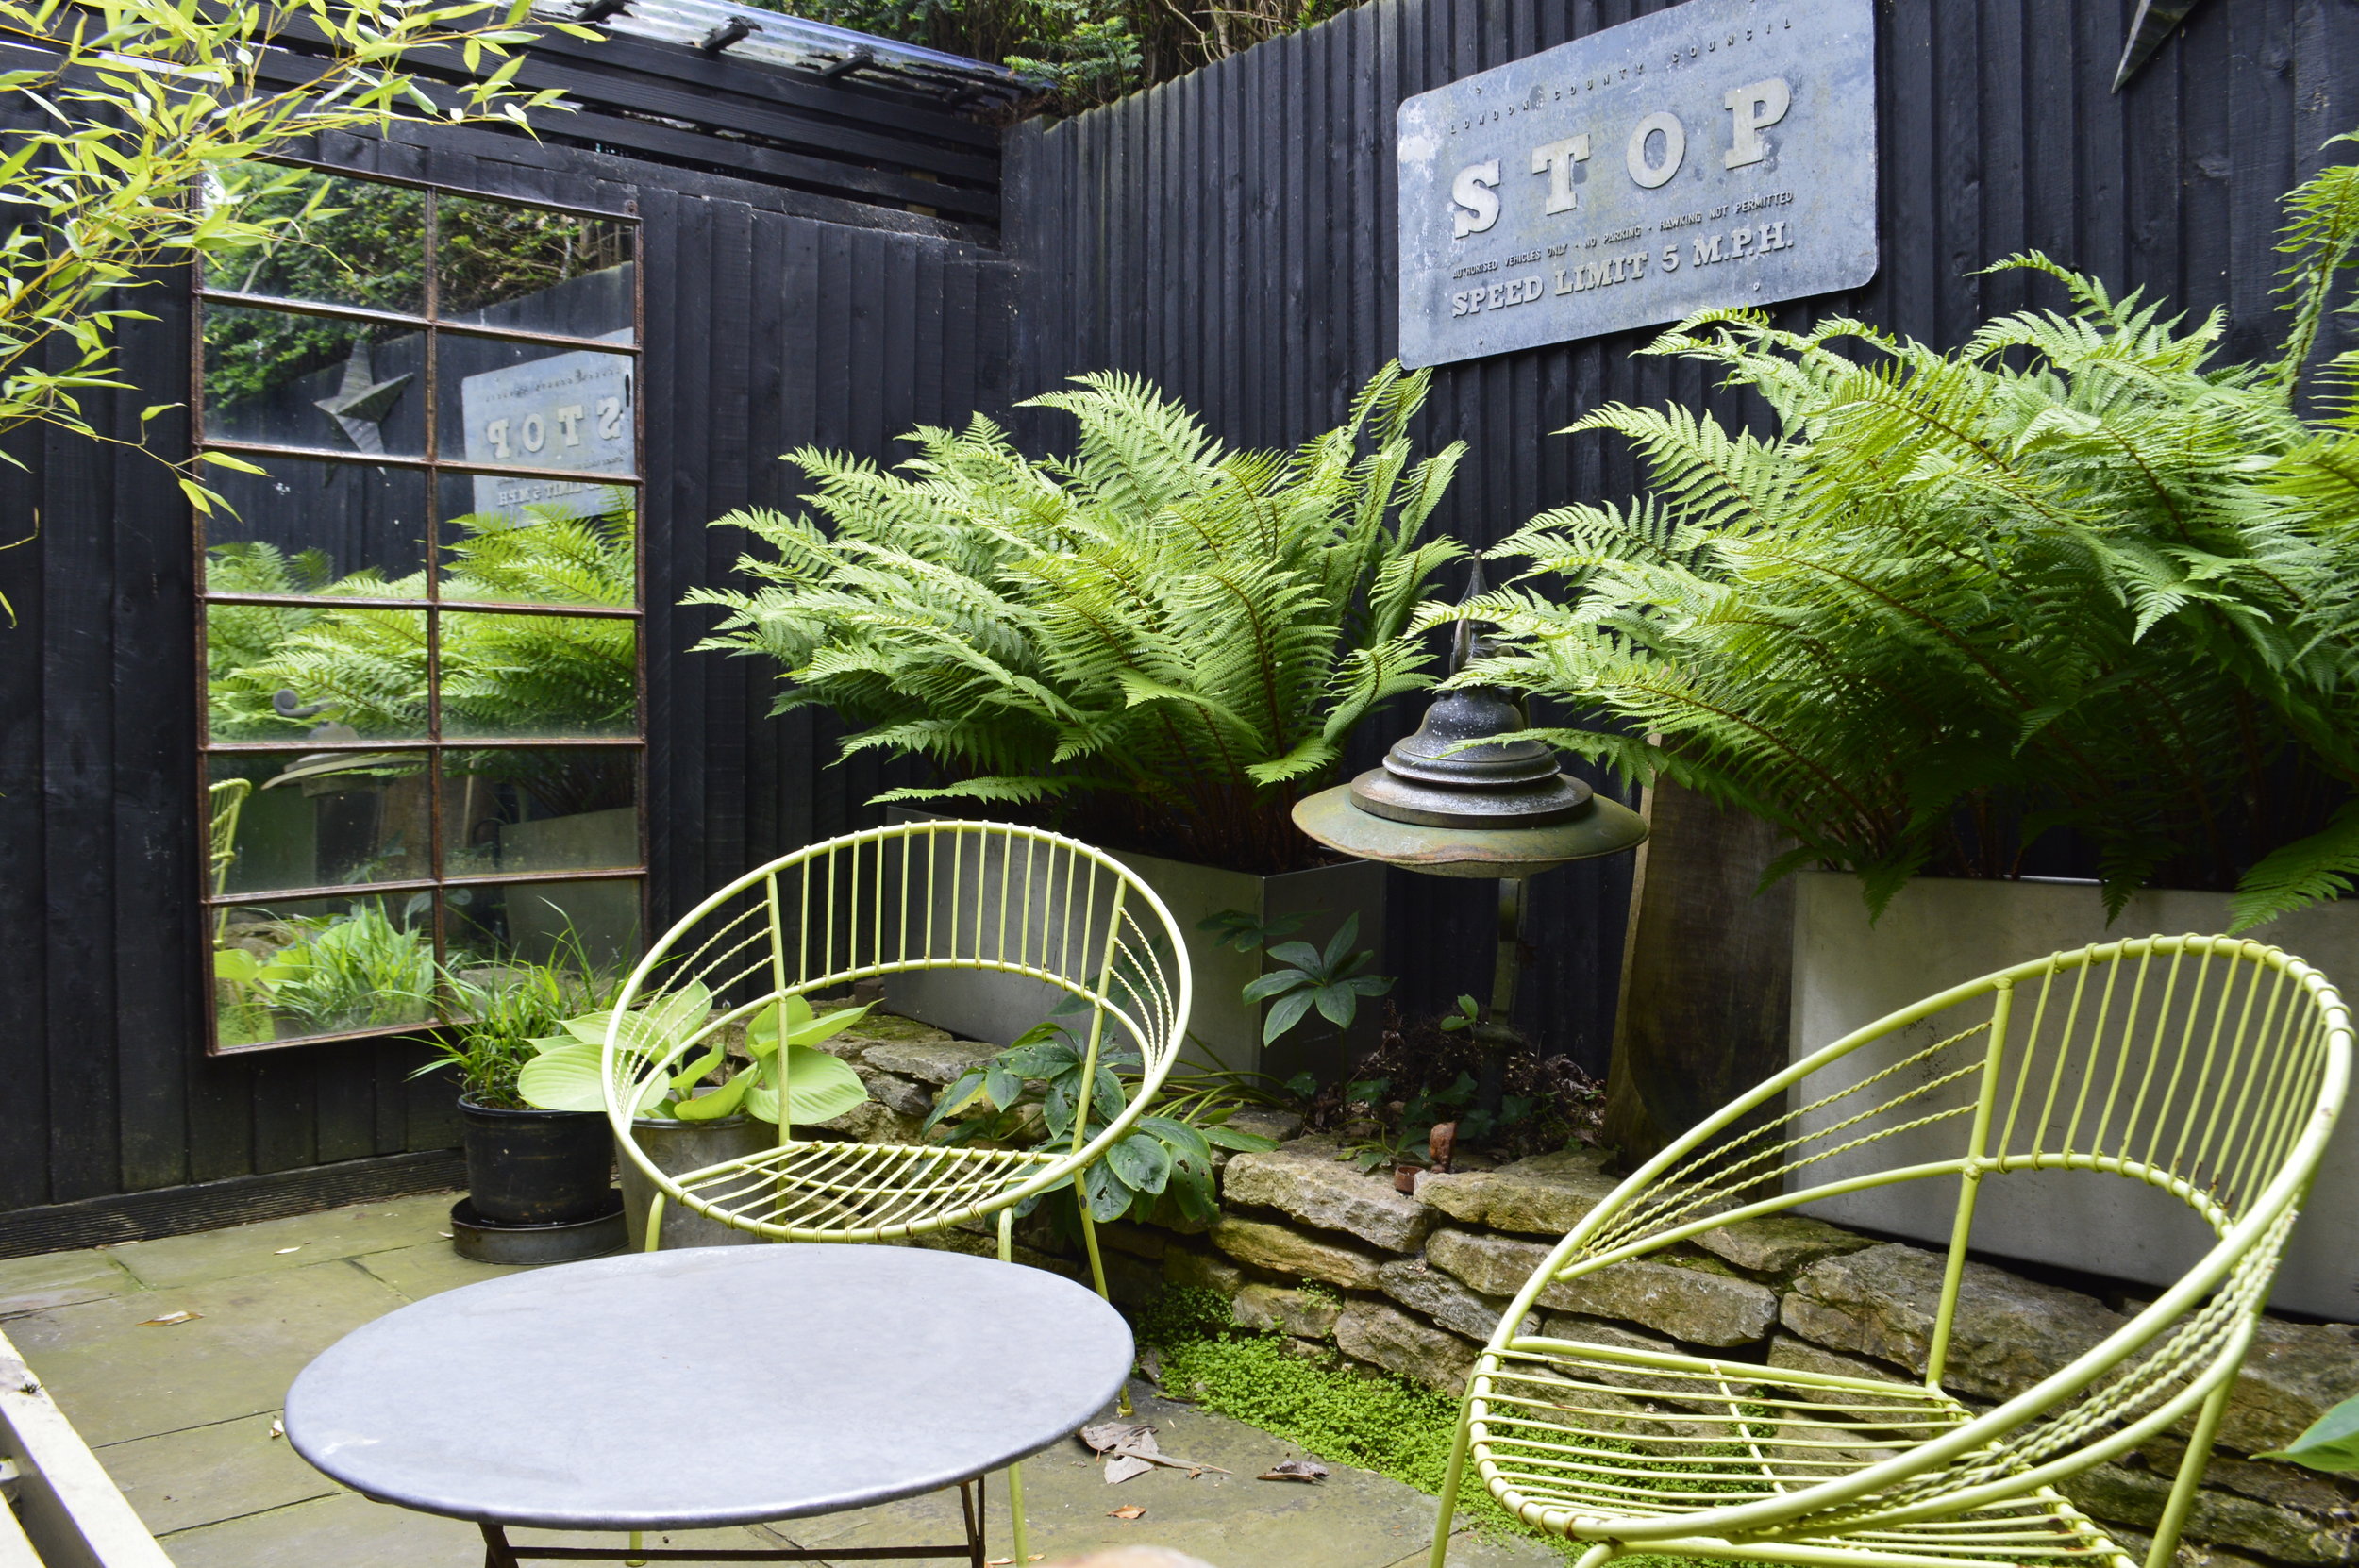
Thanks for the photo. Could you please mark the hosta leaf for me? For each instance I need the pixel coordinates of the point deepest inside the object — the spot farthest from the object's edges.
(820, 1088)
(720, 1102)
(569, 1078)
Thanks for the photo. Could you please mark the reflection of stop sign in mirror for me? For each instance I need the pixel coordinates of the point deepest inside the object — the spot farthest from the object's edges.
(1720, 152)
(568, 410)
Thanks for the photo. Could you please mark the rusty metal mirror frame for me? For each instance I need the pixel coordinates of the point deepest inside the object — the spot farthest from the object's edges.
(431, 464)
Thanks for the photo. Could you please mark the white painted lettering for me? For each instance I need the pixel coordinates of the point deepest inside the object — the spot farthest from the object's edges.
(1755, 106)
(1556, 160)
(1650, 173)
(1475, 192)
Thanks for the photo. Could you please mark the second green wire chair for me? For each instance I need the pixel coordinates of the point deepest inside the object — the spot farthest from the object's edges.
(987, 898)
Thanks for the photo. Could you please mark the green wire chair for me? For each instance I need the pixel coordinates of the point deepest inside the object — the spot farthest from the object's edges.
(986, 897)
(2209, 1068)
(228, 800)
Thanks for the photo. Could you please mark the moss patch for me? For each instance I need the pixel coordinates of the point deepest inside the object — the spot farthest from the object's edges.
(1370, 1420)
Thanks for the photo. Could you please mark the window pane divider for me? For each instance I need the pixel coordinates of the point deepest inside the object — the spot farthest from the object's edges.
(371, 316)
(388, 460)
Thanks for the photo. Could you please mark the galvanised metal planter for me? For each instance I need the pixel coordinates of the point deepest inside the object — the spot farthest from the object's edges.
(1223, 1029)
(1939, 931)
(536, 1167)
(676, 1148)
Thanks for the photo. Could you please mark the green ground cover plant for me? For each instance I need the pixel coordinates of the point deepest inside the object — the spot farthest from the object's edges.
(1370, 1420)
(2075, 574)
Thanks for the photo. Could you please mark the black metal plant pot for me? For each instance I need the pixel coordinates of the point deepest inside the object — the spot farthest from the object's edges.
(537, 1167)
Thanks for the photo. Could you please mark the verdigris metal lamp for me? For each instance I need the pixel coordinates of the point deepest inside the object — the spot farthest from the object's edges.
(1448, 801)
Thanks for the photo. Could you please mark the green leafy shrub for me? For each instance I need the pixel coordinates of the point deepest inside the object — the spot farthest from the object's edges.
(1034, 1093)
(1157, 641)
(502, 675)
(341, 972)
(2071, 575)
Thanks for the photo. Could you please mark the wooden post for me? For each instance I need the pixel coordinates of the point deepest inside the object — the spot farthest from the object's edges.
(1707, 967)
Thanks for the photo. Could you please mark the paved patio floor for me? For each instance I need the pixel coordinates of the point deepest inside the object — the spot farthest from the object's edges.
(182, 1416)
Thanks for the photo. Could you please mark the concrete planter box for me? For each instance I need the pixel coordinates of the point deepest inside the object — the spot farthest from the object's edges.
(1222, 1028)
(1939, 932)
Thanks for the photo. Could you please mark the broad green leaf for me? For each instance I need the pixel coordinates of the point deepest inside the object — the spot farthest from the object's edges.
(1186, 1142)
(723, 1101)
(1341, 943)
(1142, 1162)
(569, 1078)
(956, 1098)
(2330, 1444)
(1284, 1014)
(1276, 983)
(1295, 955)
(1043, 1060)
(1339, 1003)
(1110, 1097)
(1233, 1138)
(693, 1072)
(1192, 1191)
(820, 1088)
(1109, 1196)
(1003, 1087)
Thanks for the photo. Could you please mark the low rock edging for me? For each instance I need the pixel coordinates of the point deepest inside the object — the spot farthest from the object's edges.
(1344, 1264)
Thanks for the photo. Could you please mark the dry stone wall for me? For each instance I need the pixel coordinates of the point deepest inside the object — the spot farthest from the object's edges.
(1345, 1265)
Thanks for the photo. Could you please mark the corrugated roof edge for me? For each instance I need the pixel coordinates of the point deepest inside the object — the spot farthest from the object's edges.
(753, 36)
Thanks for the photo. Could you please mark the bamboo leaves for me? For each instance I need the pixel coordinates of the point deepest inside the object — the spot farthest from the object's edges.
(139, 103)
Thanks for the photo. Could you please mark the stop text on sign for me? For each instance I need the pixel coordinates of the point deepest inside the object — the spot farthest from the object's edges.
(1722, 152)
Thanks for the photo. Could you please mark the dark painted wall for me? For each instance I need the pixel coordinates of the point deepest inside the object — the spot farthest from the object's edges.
(1231, 236)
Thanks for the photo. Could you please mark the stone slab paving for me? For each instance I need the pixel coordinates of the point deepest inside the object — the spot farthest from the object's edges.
(182, 1416)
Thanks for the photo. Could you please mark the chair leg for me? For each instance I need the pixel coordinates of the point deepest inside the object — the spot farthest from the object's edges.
(2165, 1549)
(1451, 1482)
(1098, 1276)
(655, 1223)
(1015, 1472)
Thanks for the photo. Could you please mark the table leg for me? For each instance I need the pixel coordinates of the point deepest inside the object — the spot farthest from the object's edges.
(497, 1551)
(971, 1510)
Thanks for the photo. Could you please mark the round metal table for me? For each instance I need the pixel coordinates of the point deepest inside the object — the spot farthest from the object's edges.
(709, 1387)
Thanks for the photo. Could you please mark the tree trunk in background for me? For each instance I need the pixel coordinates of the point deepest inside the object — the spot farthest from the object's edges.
(1707, 971)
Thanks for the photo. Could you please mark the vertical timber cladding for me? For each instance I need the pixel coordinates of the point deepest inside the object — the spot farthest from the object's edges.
(1722, 152)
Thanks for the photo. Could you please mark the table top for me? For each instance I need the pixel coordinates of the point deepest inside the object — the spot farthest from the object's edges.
(709, 1386)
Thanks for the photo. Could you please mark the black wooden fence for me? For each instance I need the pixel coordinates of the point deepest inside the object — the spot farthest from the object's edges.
(774, 318)
(1231, 236)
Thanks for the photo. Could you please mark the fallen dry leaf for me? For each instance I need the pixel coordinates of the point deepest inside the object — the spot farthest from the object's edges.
(171, 1318)
(277, 1428)
(1311, 1471)
(1129, 1510)
(444, 1234)
(1131, 1450)
(283, 1251)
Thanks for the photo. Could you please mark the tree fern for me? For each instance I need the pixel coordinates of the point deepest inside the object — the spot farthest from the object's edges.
(2071, 575)
(1152, 637)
